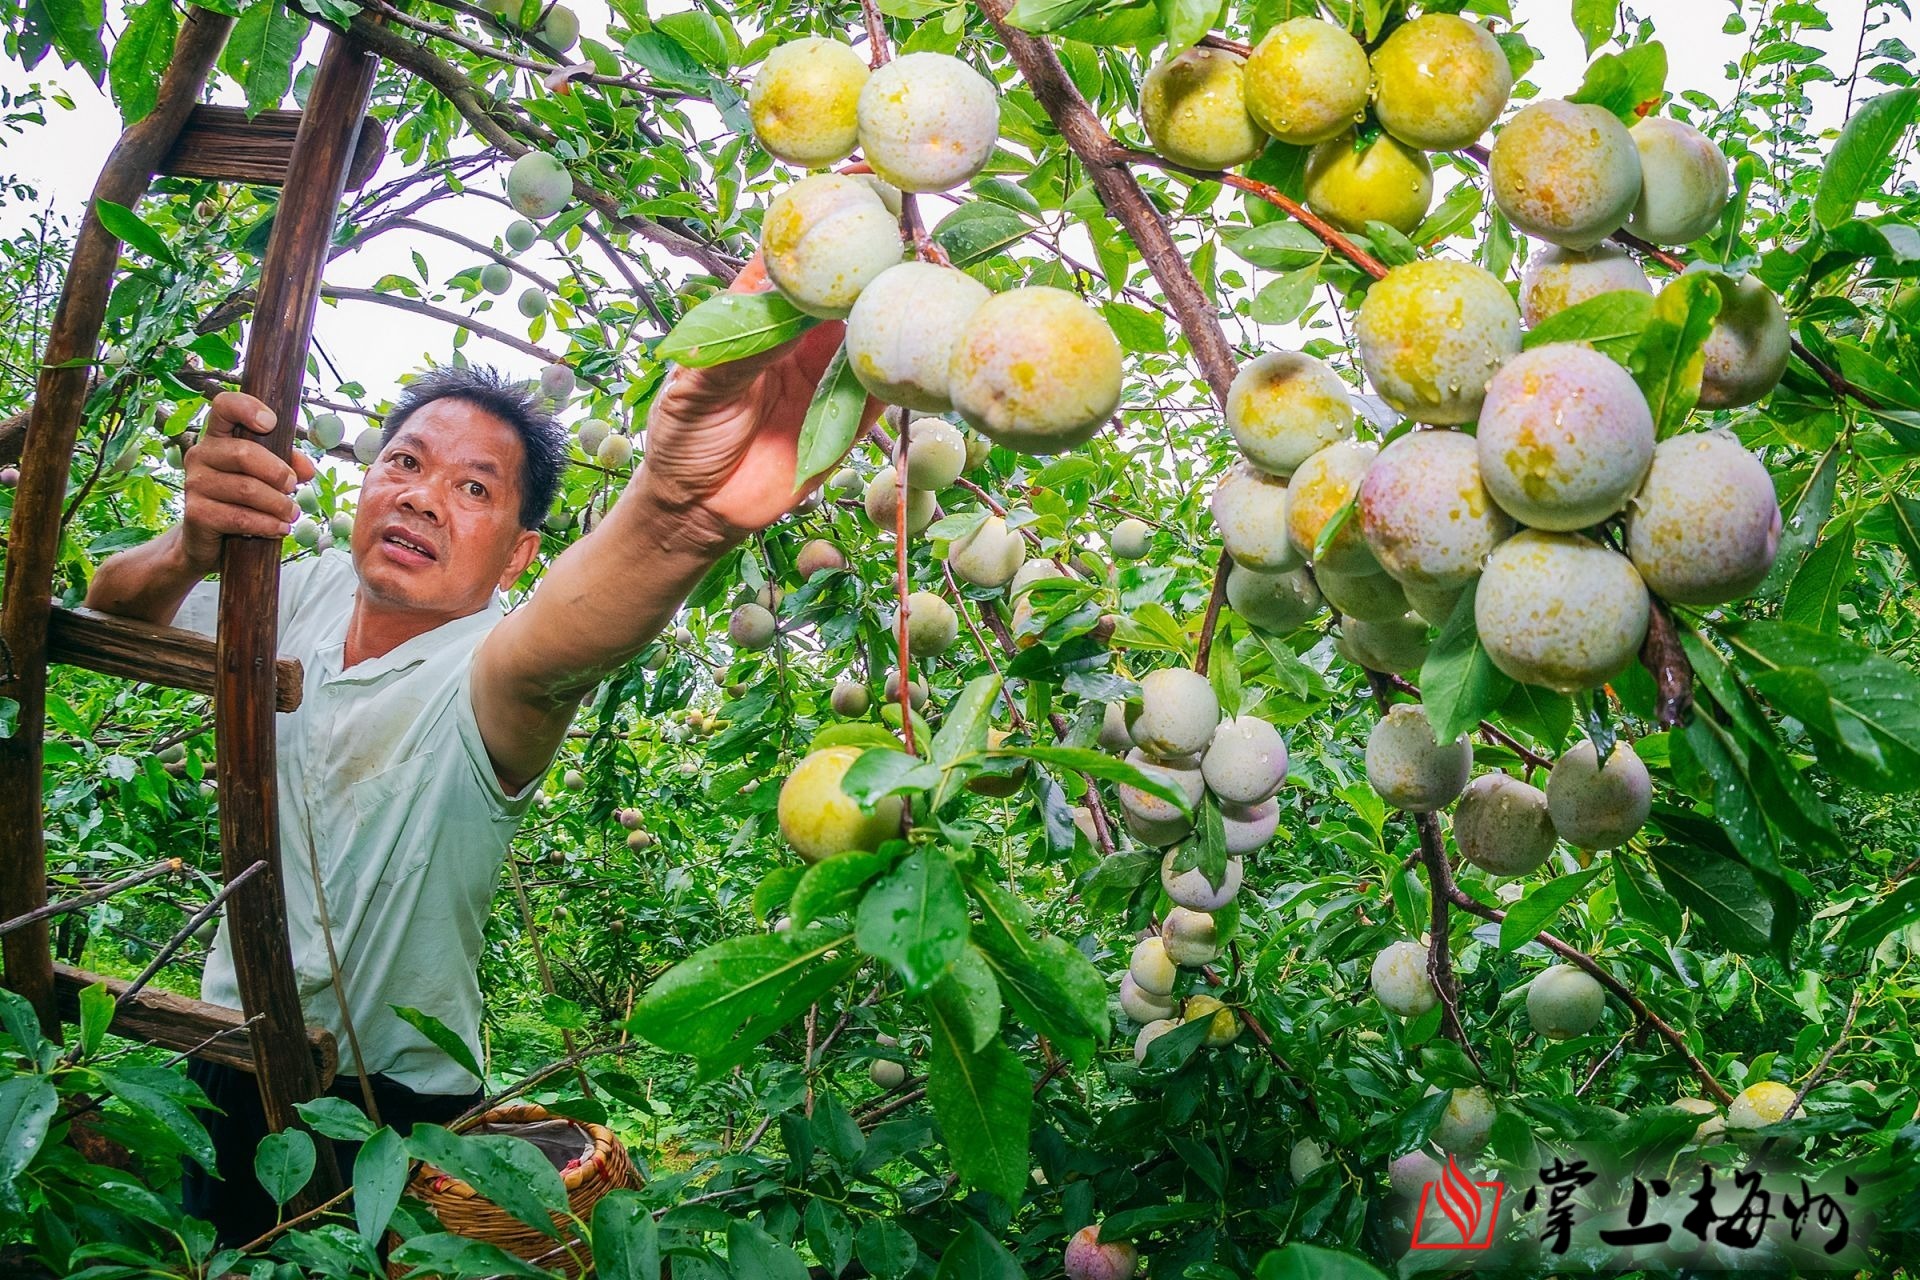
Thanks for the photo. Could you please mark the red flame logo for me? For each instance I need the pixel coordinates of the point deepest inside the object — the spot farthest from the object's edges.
(1460, 1200)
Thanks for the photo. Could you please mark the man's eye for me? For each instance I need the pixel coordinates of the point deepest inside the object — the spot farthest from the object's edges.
(477, 489)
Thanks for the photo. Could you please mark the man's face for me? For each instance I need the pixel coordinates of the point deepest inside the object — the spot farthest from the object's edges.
(438, 527)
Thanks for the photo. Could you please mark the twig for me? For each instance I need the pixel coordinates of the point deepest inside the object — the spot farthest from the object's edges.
(1820, 1067)
(170, 867)
(186, 931)
(904, 660)
(1433, 851)
(1533, 759)
(1328, 234)
(1211, 620)
(1566, 951)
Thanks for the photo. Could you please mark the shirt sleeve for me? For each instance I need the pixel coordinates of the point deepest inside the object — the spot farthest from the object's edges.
(506, 803)
(200, 611)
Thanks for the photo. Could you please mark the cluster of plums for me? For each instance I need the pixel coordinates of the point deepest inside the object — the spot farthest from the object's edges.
(1032, 368)
(1175, 733)
(1434, 84)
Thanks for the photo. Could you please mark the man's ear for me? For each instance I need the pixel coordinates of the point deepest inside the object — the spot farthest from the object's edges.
(524, 548)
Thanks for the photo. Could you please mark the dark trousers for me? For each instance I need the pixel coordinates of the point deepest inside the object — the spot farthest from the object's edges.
(235, 1203)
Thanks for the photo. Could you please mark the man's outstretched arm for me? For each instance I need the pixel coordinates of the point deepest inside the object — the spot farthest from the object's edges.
(234, 485)
(720, 452)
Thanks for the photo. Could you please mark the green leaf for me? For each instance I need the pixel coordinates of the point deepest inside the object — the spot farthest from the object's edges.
(1861, 708)
(379, 1176)
(72, 27)
(260, 53)
(964, 731)
(829, 1235)
(1726, 896)
(1310, 1262)
(167, 1098)
(1172, 1050)
(832, 421)
(444, 1038)
(1813, 598)
(1671, 355)
(27, 1104)
(124, 225)
(915, 918)
(626, 1241)
(140, 57)
(1275, 246)
(1895, 911)
(732, 326)
(1642, 899)
(886, 771)
(831, 887)
(1865, 148)
(1185, 21)
(977, 230)
(1042, 16)
(697, 1006)
(1281, 300)
(1811, 507)
(336, 1118)
(983, 1100)
(283, 1162)
(442, 1253)
(752, 1252)
(1459, 685)
(1534, 912)
(969, 999)
(975, 1255)
(1906, 529)
(886, 1249)
(1594, 20)
(1611, 323)
(1099, 764)
(1455, 214)
(1052, 987)
(511, 1172)
(96, 1015)
(1626, 83)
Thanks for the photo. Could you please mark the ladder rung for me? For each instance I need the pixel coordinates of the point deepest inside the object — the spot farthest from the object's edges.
(178, 1023)
(227, 145)
(157, 655)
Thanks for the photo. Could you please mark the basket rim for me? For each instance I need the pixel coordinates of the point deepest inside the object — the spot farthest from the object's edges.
(603, 1144)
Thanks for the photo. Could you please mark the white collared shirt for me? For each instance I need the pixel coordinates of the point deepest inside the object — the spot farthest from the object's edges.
(383, 774)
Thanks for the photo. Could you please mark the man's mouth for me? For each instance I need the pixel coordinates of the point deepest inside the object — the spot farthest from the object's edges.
(408, 545)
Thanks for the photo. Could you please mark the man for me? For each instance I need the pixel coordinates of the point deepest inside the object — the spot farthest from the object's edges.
(428, 716)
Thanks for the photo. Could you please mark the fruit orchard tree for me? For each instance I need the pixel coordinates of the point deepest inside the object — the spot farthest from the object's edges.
(1374, 635)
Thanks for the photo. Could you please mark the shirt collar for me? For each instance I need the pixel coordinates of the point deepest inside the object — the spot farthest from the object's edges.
(460, 631)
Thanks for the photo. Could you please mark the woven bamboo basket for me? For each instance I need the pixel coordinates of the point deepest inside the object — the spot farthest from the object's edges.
(603, 1168)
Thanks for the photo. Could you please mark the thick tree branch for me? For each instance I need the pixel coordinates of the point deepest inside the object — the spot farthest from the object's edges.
(1040, 66)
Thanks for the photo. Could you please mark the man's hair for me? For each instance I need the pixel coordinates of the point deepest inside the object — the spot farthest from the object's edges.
(518, 404)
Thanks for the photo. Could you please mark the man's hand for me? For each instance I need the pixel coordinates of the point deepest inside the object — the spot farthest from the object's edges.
(235, 485)
(722, 442)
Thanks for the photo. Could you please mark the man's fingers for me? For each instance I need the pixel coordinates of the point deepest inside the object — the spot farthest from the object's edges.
(246, 457)
(229, 489)
(232, 409)
(224, 519)
(303, 467)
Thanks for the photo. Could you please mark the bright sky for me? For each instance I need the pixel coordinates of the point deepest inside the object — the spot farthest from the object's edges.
(377, 345)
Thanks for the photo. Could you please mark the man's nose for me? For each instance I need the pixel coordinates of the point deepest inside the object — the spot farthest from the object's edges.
(421, 499)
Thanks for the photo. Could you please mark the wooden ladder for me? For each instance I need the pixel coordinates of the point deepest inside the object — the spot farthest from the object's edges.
(311, 154)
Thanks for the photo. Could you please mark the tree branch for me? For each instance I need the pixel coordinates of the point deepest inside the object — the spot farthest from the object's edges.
(465, 98)
(1459, 897)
